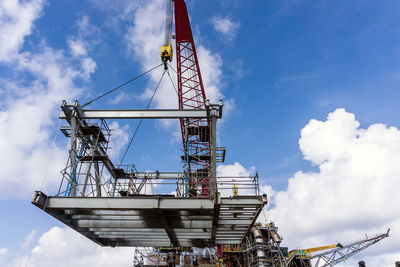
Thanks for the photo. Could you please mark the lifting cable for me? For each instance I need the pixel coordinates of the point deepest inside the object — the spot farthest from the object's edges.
(119, 86)
(173, 84)
(141, 120)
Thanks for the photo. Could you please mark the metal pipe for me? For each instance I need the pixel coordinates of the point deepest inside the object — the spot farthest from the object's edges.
(258, 239)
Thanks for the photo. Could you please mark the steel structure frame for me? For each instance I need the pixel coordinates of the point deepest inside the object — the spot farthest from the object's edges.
(340, 254)
(155, 220)
(119, 211)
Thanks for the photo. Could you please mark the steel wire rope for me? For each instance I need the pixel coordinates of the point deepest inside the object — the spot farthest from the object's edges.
(121, 85)
(173, 84)
(147, 107)
(141, 120)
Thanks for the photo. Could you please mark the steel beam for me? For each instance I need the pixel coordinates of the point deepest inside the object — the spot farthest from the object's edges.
(216, 215)
(241, 201)
(168, 230)
(140, 114)
(157, 175)
(136, 224)
(154, 220)
(122, 203)
(154, 216)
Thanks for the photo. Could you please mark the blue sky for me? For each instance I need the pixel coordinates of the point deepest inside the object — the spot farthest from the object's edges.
(277, 64)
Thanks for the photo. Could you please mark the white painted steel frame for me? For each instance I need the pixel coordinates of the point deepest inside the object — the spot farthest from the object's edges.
(155, 220)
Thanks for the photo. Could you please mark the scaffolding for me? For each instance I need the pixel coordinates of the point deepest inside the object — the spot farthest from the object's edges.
(119, 206)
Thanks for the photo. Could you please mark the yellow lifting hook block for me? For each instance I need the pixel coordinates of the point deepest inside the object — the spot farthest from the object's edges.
(166, 52)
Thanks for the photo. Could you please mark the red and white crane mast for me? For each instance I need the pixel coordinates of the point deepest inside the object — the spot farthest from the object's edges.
(191, 95)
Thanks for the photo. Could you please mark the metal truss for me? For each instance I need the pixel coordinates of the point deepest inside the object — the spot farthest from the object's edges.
(155, 220)
(118, 206)
(89, 168)
(340, 254)
(198, 135)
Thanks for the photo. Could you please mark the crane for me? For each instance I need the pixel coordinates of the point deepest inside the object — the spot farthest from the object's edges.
(337, 255)
(197, 136)
(306, 252)
(332, 254)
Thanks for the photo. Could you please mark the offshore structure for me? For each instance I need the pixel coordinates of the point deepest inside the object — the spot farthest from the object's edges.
(117, 205)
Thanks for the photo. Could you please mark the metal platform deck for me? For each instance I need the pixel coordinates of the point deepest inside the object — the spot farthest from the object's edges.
(157, 220)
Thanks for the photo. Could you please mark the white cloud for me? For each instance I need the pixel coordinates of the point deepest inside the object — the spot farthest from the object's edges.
(226, 26)
(88, 67)
(120, 138)
(3, 253)
(77, 48)
(83, 40)
(29, 106)
(211, 72)
(354, 191)
(16, 20)
(235, 169)
(65, 247)
(235, 174)
(27, 121)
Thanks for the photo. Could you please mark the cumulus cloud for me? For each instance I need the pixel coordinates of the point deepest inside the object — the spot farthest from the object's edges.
(3, 253)
(353, 192)
(226, 27)
(83, 40)
(211, 72)
(28, 105)
(53, 246)
(235, 169)
(77, 48)
(16, 20)
(27, 120)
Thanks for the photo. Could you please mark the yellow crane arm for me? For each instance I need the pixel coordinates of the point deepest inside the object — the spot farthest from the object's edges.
(305, 252)
(309, 250)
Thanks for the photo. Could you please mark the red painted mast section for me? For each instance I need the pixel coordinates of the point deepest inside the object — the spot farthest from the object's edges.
(195, 132)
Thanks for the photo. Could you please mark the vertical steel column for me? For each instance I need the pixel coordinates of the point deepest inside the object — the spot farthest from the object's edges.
(97, 178)
(73, 153)
(213, 141)
(88, 169)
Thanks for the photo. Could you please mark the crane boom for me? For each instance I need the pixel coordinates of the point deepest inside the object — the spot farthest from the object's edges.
(305, 252)
(309, 250)
(342, 253)
(191, 95)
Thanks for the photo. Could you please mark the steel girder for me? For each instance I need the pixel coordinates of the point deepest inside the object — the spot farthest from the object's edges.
(155, 220)
(140, 114)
